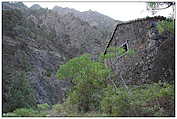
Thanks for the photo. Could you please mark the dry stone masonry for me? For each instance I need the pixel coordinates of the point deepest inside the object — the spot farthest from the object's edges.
(153, 60)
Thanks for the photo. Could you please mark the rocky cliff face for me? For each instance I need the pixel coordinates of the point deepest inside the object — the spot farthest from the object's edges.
(95, 19)
(37, 41)
(153, 59)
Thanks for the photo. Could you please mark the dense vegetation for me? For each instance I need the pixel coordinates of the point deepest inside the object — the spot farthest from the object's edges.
(89, 79)
(88, 98)
(166, 25)
(92, 93)
(145, 100)
(155, 99)
(20, 94)
(17, 91)
(39, 110)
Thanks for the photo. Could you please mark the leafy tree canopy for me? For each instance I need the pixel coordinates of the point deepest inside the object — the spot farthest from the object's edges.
(89, 79)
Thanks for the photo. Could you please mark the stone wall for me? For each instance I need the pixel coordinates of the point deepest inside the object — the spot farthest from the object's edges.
(153, 59)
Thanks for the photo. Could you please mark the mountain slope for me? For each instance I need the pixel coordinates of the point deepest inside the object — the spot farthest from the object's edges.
(95, 19)
(36, 42)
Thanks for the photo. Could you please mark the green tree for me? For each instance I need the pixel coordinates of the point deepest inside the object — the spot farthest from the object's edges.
(21, 93)
(143, 100)
(89, 78)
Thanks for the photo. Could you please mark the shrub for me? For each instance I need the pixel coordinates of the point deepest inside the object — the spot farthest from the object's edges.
(146, 100)
(42, 107)
(115, 103)
(57, 108)
(113, 52)
(166, 25)
(65, 109)
(94, 114)
(167, 90)
(24, 112)
(88, 78)
(90, 93)
(28, 112)
(20, 93)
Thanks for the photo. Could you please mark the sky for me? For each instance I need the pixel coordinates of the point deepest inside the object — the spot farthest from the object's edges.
(123, 11)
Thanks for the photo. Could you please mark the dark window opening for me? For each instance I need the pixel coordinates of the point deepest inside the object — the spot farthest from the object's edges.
(125, 50)
(125, 47)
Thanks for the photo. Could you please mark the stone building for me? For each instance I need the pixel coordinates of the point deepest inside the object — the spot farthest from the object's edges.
(154, 56)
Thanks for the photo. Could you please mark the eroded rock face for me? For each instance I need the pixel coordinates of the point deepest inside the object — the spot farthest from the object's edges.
(153, 60)
(38, 41)
(164, 63)
(40, 67)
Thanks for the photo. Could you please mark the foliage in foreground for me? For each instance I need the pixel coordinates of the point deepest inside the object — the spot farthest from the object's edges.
(44, 106)
(40, 111)
(147, 100)
(20, 94)
(89, 78)
(92, 95)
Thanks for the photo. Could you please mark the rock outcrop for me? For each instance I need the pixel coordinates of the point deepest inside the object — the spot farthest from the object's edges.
(153, 60)
(37, 41)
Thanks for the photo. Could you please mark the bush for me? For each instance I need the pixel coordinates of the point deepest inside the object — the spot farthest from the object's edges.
(65, 109)
(42, 107)
(20, 94)
(88, 78)
(167, 90)
(146, 100)
(91, 93)
(24, 112)
(57, 108)
(113, 52)
(28, 112)
(166, 25)
(115, 103)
